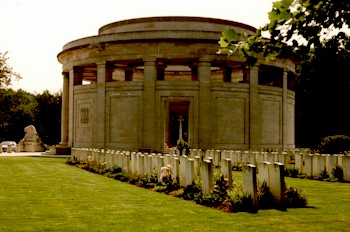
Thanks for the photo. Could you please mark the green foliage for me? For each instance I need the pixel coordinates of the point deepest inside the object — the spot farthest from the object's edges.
(314, 35)
(323, 175)
(6, 72)
(295, 29)
(19, 109)
(335, 144)
(166, 185)
(72, 161)
(237, 166)
(292, 172)
(265, 198)
(191, 191)
(323, 91)
(239, 201)
(181, 145)
(216, 197)
(294, 198)
(338, 173)
(220, 188)
(48, 117)
(148, 181)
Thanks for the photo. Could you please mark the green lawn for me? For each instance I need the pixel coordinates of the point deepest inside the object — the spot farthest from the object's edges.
(45, 194)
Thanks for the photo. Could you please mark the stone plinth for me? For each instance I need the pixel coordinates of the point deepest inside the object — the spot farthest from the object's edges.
(27, 146)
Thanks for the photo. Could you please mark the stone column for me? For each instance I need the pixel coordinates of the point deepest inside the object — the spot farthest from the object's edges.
(204, 73)
(285, 122)
(71, 108)
(150, 76)
(65, 110)
(100, 114)
(254, 109)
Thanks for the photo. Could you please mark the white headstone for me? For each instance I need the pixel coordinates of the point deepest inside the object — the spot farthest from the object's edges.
(277, 184)
(250, 183)
(207, 177)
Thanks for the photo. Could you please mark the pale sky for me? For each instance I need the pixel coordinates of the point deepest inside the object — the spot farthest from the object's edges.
(34, 31)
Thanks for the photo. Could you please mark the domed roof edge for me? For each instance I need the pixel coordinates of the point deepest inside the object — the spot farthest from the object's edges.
(176, 18)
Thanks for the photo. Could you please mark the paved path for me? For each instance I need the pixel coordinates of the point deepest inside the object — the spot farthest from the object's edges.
(33, 154)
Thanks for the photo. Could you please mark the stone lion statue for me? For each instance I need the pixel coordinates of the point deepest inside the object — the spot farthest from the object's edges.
(31, 134)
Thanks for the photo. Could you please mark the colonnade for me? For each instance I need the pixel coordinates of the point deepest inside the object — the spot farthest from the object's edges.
(152, 73)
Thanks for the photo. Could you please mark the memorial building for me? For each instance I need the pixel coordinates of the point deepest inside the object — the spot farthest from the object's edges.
(129, 86)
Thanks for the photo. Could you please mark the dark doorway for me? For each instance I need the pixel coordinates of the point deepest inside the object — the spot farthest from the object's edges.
(176, 110)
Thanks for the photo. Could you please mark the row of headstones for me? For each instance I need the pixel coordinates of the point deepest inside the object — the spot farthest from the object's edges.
(314, 164)
(185, 170)
(241, 157)
(305, 163)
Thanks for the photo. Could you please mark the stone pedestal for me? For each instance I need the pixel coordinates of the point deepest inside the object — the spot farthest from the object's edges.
(27, 146)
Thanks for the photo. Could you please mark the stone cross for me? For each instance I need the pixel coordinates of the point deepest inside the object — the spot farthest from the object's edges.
(180, 128)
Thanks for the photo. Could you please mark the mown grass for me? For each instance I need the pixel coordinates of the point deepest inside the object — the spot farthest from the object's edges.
(45, 194)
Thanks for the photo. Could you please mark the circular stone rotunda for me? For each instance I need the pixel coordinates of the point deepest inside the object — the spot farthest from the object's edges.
(128, 87)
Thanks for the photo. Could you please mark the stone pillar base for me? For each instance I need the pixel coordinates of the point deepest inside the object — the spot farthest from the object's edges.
(31, 146)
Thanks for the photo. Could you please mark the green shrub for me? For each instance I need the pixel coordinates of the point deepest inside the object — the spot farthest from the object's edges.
(72, 161)
(291, 172)
(208, 200)
(294, 198)
(338, 173)
(217, 195)
(166, 185)
(145, 181)
(181, 145)
(240, 201)
(265, 198)
(323, 175)
(334, 144)
(190, 192)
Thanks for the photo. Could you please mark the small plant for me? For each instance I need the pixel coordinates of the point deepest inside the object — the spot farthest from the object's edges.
(220, 187)
(145, 181)
(265, 198)
(323, 175)
(191, 191)
(72, 161)
(292, 172)
(166, 183)
(208, 200)
(338, 173)
(217, 195)
(237, 166)
(294, 198)
(181, 145)
(239, 201)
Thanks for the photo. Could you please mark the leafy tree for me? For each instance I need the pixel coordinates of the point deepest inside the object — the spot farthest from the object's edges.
(17, 110)
(48, 117)
(6, 72)
(297, 29)
(315, 34)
